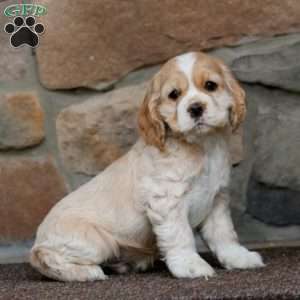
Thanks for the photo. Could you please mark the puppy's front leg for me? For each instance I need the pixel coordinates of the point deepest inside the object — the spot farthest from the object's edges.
(175, 238)
(219, 233)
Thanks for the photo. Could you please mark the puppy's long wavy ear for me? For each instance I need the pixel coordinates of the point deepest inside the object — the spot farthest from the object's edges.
(238, 111)
(151, 125)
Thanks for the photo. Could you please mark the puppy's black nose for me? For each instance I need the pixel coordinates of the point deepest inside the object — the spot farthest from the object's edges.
(195, 110)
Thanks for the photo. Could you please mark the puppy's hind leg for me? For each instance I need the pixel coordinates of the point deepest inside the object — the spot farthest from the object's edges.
(54, 264)
(75, 257)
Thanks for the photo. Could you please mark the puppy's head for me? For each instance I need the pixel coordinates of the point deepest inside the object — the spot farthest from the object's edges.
(192, 94)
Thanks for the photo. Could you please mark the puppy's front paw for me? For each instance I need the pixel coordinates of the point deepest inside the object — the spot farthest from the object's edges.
(238, 257)
(190, 266)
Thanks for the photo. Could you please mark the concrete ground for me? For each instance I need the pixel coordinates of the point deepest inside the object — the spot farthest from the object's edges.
(280, 279)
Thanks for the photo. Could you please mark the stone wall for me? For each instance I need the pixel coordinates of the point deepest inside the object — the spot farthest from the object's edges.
(69, 109)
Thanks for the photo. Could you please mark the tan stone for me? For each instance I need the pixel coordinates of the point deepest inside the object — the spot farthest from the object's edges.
(21, 120)
(87, 42)
(28, 189)
(93, 134)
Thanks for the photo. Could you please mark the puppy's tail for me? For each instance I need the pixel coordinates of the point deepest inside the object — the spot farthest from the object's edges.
(46, 261)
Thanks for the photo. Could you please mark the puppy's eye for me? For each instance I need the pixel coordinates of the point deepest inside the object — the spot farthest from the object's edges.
(174, 94)
(210, 86)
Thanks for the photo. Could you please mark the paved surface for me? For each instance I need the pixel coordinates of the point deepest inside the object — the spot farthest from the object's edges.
(280, 279)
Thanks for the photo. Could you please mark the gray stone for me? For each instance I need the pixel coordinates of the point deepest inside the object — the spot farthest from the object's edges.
(273, 205)
(273, 61)
(15, 252)
(274, 190)
(278, 139)
(13, 61)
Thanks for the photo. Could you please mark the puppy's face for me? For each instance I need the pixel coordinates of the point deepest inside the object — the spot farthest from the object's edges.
(193, 94)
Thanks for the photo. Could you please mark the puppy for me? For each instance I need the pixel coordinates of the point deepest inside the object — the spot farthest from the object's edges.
(175, 178)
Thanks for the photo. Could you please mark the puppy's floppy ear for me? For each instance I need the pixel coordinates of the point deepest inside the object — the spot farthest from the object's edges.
(151, 125)
(238, 110)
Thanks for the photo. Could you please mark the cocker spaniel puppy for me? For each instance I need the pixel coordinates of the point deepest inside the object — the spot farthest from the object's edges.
(147, 203)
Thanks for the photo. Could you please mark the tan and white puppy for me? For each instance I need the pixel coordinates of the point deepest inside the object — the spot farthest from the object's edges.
(173, 179)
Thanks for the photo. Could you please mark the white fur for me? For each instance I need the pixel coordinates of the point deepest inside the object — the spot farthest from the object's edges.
(186, 64)
(215, 176)
(148, 200)
(216, 111)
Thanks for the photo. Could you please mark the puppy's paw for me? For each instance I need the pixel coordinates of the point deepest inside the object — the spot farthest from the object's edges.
(85, 273)
(238, 257)
(190, 266)
(96, 273)
(143, 264)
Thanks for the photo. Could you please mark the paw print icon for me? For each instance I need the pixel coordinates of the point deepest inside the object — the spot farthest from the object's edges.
(24, 31)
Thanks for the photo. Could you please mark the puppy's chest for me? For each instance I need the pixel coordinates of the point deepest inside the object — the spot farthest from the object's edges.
(203, 188)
